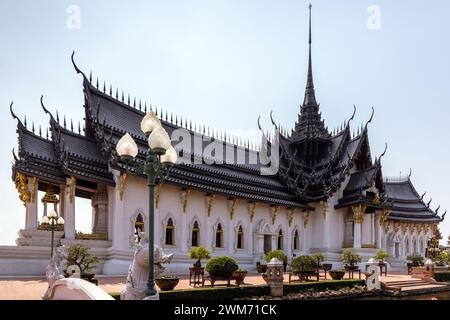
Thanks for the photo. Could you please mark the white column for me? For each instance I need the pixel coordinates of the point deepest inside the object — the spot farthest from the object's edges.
(303, 244)
(230, 236)
(372, 228)
(248, 238)
(69, 212)
(378, 229)
(326, 226)
(183, 228)
(288, 241)
(357, 235)
(259, 244)
(31, 209)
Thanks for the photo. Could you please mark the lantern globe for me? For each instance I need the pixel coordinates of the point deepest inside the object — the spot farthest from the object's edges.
(159, 141)
(149, 123)
(126, 147)
(45, 220)
(60, 220)
(53, 214)
(170, 157)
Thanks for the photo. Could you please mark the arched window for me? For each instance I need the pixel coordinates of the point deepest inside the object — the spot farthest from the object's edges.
(240, 238)
(169, 233)
(138, 228)
(219, 233)
(195, 235)
(296, 240)
(407, 246)
(280, 240)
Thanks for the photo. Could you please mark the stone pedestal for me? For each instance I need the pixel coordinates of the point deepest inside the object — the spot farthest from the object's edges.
(275, 277)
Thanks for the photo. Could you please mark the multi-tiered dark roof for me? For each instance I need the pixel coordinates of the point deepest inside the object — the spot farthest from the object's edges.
(313, 164)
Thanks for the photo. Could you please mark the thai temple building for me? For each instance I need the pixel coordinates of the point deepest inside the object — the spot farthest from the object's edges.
(303, 191)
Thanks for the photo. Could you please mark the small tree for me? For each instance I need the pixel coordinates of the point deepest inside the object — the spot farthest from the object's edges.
(350, 257)
(79, 255)
(442, 258)
(279, 254)
(304, 263)
(199, 253)
(318, 257)
(381, 256)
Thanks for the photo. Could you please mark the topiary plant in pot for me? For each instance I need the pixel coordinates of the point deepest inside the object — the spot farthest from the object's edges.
(198, 254)
(79, 255)
(279, 254)
(221, 268)
(416, 259)
(350, 259)
(304, 264)
(381, 256)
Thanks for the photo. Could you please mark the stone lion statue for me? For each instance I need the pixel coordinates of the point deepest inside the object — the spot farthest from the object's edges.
(55, 268)
(136, 283)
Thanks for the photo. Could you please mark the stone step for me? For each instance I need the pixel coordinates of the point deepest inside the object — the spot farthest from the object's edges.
(423, 287)
(405, 283)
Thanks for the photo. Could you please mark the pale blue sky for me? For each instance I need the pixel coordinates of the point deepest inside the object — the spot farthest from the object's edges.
(225, 62)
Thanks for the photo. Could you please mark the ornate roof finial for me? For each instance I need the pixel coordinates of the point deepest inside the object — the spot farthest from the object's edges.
(310, 97)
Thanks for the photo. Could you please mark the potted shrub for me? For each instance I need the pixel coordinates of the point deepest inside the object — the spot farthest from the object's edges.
(79, 255)
(198, 254)
(221, 268)
(304, 266)
(350, 259)
(382, 257)
(279, 254)
(416, 259)
(336, 274)
(442, 259)
(167, 283)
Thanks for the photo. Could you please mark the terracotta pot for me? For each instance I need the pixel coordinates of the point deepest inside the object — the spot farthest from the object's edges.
(351, 268)
(167, 284)
(336, 274)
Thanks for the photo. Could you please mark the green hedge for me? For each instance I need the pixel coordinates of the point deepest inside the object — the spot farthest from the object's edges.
(322, 285)
(442, 276)
(254, 291)
(228, 293)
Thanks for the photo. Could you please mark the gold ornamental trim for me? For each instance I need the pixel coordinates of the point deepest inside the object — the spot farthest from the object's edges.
(358, 213)
(274, 212)
(123, 180)
(306, 219)
(210, 200)
(185, 196)
(290, 216)
(33, 189)
(21, 182)
(72, 189)
(232, 206)
(251, 210)
(384, 215)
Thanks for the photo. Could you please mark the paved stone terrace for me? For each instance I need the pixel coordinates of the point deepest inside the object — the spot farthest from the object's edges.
(31, 288)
